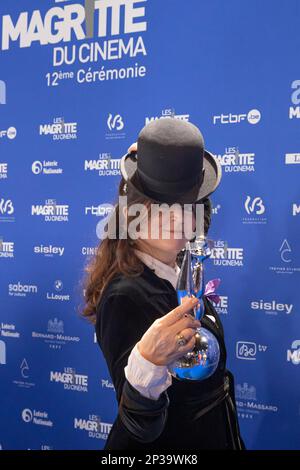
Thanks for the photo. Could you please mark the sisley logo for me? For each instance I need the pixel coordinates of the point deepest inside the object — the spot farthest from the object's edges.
(272, 307)
(49, 250)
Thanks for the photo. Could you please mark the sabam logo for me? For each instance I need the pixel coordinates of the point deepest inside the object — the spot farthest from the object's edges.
(66, 23)
(51, 211)
(285, 249)
(70, 380)
(244, 392)
(247, 350)
(253, 117)
(6, 249)
(296, 209)
(2, 92)
(49, 250)
(225, 256)
(94, 426)
(222, 306)
(46, 168)
(21, 290)
(271, 307)
(233, 161)
(167, 114)
(55, 326)
(293, 354)
(105, 165)
(3, 171)
(2, 353)
(10, 133)
(291, 158)
(36, 417)
(60, 130)
(294, 111)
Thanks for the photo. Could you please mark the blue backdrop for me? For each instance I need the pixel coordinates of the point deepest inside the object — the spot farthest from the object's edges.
(78, 80)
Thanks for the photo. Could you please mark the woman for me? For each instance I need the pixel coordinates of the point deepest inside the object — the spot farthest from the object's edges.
(131, 298)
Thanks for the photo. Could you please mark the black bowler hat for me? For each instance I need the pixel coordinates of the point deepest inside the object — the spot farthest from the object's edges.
(171, 164)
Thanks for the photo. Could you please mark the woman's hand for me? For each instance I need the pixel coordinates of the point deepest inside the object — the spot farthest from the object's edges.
(159, 343)
(132, 148)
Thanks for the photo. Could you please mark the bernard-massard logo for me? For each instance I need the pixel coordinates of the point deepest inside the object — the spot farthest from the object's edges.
(233, 161)
(255, 208)
(55, 336)
(59, 129)
(70, 379)
(7, 248)
(168, 113)
(287, 257)
(93, 426)
(59, 294)
(51, 211)
(251, 117)
(248, 405)
(105, 165)
(223, 255)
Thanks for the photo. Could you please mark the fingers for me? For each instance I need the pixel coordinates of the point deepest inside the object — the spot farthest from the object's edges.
(186, 322)
(187, 333)
(132, 148)
(189, 346)
(177, 313)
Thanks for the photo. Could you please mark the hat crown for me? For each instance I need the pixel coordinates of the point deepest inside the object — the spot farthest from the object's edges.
(170, 150)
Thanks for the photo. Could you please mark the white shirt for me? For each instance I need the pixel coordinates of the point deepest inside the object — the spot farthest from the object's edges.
(148, 378)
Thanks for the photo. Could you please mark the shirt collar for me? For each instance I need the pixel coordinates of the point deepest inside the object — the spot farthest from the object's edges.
(161, 269)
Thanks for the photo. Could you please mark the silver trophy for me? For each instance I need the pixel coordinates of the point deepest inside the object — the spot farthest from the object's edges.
(202, 361)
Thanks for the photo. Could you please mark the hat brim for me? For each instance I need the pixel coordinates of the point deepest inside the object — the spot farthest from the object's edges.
(211, 180)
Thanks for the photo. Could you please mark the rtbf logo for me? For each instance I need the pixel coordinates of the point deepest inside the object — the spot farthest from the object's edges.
(253, 117)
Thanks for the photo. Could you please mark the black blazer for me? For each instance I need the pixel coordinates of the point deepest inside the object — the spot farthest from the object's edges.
(188, 415)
